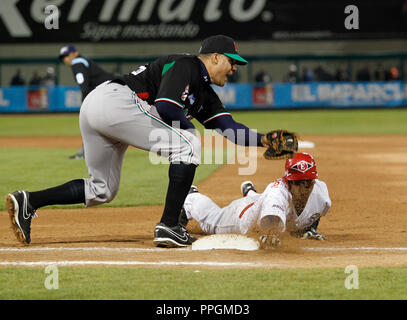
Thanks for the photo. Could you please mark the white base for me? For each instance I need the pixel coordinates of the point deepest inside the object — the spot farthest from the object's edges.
(226, 241)
(306, 145)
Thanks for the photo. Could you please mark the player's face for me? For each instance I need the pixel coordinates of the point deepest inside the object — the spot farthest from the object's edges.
(68, 59)
(225, 67)
(300, 191)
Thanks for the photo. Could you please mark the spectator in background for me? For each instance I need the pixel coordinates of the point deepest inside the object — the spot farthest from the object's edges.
(262, 77)
(363, 74)
(380, 73)
(322, 74)
(341, 74)
(307, 75)
(394, 74)
(49, 80)
(36, 79)
(292, 75)
(17, 80)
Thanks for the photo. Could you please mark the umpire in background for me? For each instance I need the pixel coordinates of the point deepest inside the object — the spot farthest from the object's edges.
(88, 75)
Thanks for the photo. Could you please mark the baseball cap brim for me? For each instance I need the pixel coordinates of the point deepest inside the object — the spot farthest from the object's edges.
(237, 58)
(311, 175)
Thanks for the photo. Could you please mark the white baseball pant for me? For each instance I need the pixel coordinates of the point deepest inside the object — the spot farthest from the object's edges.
(237, 217)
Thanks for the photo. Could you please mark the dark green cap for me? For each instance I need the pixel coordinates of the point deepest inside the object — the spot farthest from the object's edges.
(224, 45)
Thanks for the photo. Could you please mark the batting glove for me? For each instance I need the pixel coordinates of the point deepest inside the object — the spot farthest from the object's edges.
(312, 234)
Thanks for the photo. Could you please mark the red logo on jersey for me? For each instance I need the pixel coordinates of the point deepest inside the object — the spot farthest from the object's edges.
(275, 184)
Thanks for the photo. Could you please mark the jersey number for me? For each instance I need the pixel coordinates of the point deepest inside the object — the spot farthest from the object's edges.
(80, 78)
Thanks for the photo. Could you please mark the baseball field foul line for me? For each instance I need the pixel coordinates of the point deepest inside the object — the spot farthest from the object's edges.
(132, 263)
(91, 249)
(182, 249)
(357, 249)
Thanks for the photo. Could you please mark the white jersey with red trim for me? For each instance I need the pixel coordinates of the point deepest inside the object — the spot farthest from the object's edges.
(278, 202)
(242, 214)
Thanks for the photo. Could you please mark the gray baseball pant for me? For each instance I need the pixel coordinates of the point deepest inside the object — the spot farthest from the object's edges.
(112, 117)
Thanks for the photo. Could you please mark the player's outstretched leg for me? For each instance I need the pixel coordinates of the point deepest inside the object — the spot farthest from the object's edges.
(21, 205)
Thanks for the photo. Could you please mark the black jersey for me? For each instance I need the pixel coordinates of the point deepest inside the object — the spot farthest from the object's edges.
(88, 74)
(180, 79)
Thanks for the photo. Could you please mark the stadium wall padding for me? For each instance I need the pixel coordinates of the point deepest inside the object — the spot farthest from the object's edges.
(234, 96)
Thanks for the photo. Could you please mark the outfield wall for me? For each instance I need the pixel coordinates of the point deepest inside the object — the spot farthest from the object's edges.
(314, 95)
(234, 96)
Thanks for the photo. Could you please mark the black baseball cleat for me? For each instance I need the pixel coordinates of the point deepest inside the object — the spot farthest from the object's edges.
(21, 213)
(246, 186)
(79, 155)
(182, 219)
(170, 237)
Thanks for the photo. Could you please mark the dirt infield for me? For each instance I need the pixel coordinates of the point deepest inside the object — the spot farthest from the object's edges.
(367, 225)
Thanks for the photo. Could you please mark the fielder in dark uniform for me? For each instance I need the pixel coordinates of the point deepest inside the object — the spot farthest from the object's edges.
(88, 75)
(153, 101)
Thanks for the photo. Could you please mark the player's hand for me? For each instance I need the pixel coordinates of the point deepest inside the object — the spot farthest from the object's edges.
(312, 234)
(265, 142)
(269, 240)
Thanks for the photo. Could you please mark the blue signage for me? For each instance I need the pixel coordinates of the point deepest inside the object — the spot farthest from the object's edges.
(233, 96)
(341, 94)
(40, 99)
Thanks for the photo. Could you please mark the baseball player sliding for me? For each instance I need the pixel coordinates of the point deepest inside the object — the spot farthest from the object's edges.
(295, 203)
(161, 98)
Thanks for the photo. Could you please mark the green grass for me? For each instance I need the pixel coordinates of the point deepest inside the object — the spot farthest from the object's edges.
(142, 183)
(39, 125)
(369, 121)
(37, 168)
(328, 122)
(161, 284)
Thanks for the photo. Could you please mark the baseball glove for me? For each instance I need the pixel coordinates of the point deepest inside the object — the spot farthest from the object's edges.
(282, 144)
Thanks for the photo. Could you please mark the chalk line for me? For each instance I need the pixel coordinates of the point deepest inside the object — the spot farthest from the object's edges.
(92, 249)
(134, 263)
(123, 249)
(358, 249)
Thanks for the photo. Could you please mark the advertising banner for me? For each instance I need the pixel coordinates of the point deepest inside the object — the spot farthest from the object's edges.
(341, 94)
(234, 96)
(41, 21)
(40, 99)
